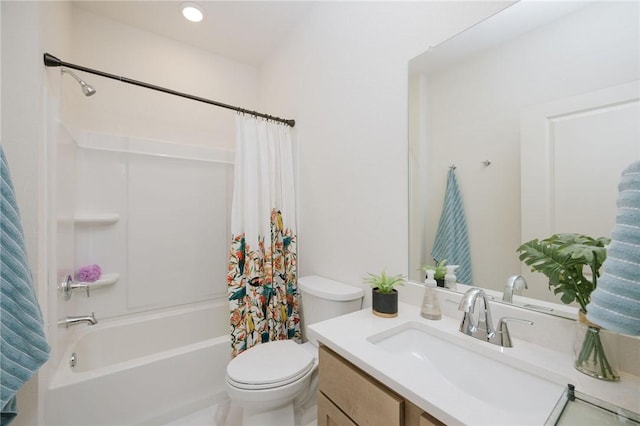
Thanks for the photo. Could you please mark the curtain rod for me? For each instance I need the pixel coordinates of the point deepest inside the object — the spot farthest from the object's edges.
(52, 61)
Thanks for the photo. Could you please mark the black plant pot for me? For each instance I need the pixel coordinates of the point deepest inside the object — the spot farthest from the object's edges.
(384, 304)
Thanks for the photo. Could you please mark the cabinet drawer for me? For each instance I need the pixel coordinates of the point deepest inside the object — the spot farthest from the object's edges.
(362, 398)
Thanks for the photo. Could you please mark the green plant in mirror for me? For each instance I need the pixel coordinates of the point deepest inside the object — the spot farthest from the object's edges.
(440, 268)
(564, 258)
(384, 282)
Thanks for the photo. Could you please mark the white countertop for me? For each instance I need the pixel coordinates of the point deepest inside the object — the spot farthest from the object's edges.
(347, 335)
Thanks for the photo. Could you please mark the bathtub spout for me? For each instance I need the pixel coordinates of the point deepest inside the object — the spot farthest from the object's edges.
(69, 321)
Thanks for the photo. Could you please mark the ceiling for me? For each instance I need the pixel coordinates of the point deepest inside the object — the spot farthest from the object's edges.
(245, 31)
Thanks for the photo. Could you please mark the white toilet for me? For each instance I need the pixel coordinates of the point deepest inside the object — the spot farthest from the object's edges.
(266, 380)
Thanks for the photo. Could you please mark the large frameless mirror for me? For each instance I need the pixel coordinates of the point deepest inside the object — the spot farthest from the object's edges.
(537, 108)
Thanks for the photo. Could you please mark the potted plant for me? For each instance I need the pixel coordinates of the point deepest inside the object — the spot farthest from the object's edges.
(384, 296)
(563, 258)
(441, 271)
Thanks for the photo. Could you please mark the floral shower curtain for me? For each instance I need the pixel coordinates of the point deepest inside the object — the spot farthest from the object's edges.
(262, 285)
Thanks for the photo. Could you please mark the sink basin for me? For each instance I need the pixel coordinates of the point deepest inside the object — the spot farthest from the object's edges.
(510, 391)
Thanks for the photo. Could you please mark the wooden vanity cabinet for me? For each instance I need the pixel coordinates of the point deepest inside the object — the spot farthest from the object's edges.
(349, 397)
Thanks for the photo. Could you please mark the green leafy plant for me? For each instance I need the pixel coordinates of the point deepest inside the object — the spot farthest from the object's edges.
(440, 268)
(563, 258)
(384, 282)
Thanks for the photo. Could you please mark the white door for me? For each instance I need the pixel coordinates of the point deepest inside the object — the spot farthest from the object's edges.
(573, 151)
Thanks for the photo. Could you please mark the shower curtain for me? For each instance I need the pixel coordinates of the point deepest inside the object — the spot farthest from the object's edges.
(262, 285)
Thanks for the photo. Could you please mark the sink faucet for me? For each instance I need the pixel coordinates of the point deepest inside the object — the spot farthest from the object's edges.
(515, 282)
(69, 321)
(482, 328)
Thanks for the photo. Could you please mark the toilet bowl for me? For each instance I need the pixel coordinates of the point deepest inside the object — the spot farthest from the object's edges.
(265, 380)
(269, 380)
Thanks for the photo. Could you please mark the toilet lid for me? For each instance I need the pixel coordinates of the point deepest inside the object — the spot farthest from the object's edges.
(270, 364)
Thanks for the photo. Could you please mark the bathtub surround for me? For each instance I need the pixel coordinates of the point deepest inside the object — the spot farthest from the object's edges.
(263, 292)
(127, 190)
(23, 347)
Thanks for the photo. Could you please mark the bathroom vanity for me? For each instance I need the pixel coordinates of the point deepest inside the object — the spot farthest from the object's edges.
(411, 371)
(348, 396)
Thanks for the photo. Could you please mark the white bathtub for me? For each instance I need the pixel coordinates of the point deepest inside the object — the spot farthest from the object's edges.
(144, 370)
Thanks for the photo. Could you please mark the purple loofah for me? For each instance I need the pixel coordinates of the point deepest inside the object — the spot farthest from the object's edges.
(89, 273)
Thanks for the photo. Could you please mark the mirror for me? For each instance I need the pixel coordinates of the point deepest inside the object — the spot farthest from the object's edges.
(529, 106)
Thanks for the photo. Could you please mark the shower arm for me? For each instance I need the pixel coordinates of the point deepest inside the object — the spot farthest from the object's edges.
(52, 61)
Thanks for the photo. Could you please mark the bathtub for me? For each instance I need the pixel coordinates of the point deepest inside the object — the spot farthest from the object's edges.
(149, 369)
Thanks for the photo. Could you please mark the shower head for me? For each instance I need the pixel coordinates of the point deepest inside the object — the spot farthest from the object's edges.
(87, 89)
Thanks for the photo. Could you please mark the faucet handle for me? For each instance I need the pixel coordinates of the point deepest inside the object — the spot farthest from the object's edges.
(68, 285)
(75, 286)
(503, 330)
(512, 319)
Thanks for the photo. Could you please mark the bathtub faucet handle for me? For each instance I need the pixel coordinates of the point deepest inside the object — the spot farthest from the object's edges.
(68, 285)
(85, 286)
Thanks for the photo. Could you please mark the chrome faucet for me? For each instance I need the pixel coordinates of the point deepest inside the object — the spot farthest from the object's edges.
(515, 282)
(68, 286)
(74, 320)
(482, 328)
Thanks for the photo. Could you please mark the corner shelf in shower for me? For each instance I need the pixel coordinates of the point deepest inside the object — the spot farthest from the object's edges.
(97, 219)
(104, 281)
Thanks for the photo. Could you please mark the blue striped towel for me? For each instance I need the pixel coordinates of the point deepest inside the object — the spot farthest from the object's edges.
(452, 241)
(23, 347)
(615, 303)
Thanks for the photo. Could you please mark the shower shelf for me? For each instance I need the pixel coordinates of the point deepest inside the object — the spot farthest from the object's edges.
(104, 281)
(97, 219)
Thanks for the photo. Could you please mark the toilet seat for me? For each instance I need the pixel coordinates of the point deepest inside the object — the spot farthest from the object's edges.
(269, 365)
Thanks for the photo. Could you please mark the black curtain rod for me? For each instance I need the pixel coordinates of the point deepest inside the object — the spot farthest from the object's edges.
(52, 61)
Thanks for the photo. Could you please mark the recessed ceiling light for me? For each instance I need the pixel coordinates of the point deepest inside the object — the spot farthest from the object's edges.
(192, 11)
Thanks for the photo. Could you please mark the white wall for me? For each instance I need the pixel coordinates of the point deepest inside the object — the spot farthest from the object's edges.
(117, 108)
(29, 28)
(342, 74)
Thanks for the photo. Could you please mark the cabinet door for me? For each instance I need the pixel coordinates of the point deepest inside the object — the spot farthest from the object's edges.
(414, 416)
(428, 420)
(330, 415)
(358, 395)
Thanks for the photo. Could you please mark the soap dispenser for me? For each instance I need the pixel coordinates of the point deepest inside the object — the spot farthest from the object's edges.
(450, 280)
(430, 307)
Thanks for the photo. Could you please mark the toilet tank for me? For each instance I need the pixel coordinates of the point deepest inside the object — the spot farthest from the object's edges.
(323, 299)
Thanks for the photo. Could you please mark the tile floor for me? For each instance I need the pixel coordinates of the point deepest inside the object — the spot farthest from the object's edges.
(225, 413)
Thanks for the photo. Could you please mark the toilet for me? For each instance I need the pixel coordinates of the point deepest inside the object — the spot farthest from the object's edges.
(267, 381)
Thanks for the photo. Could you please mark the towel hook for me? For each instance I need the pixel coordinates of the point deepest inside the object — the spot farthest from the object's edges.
(486, 163)
(452, 166)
